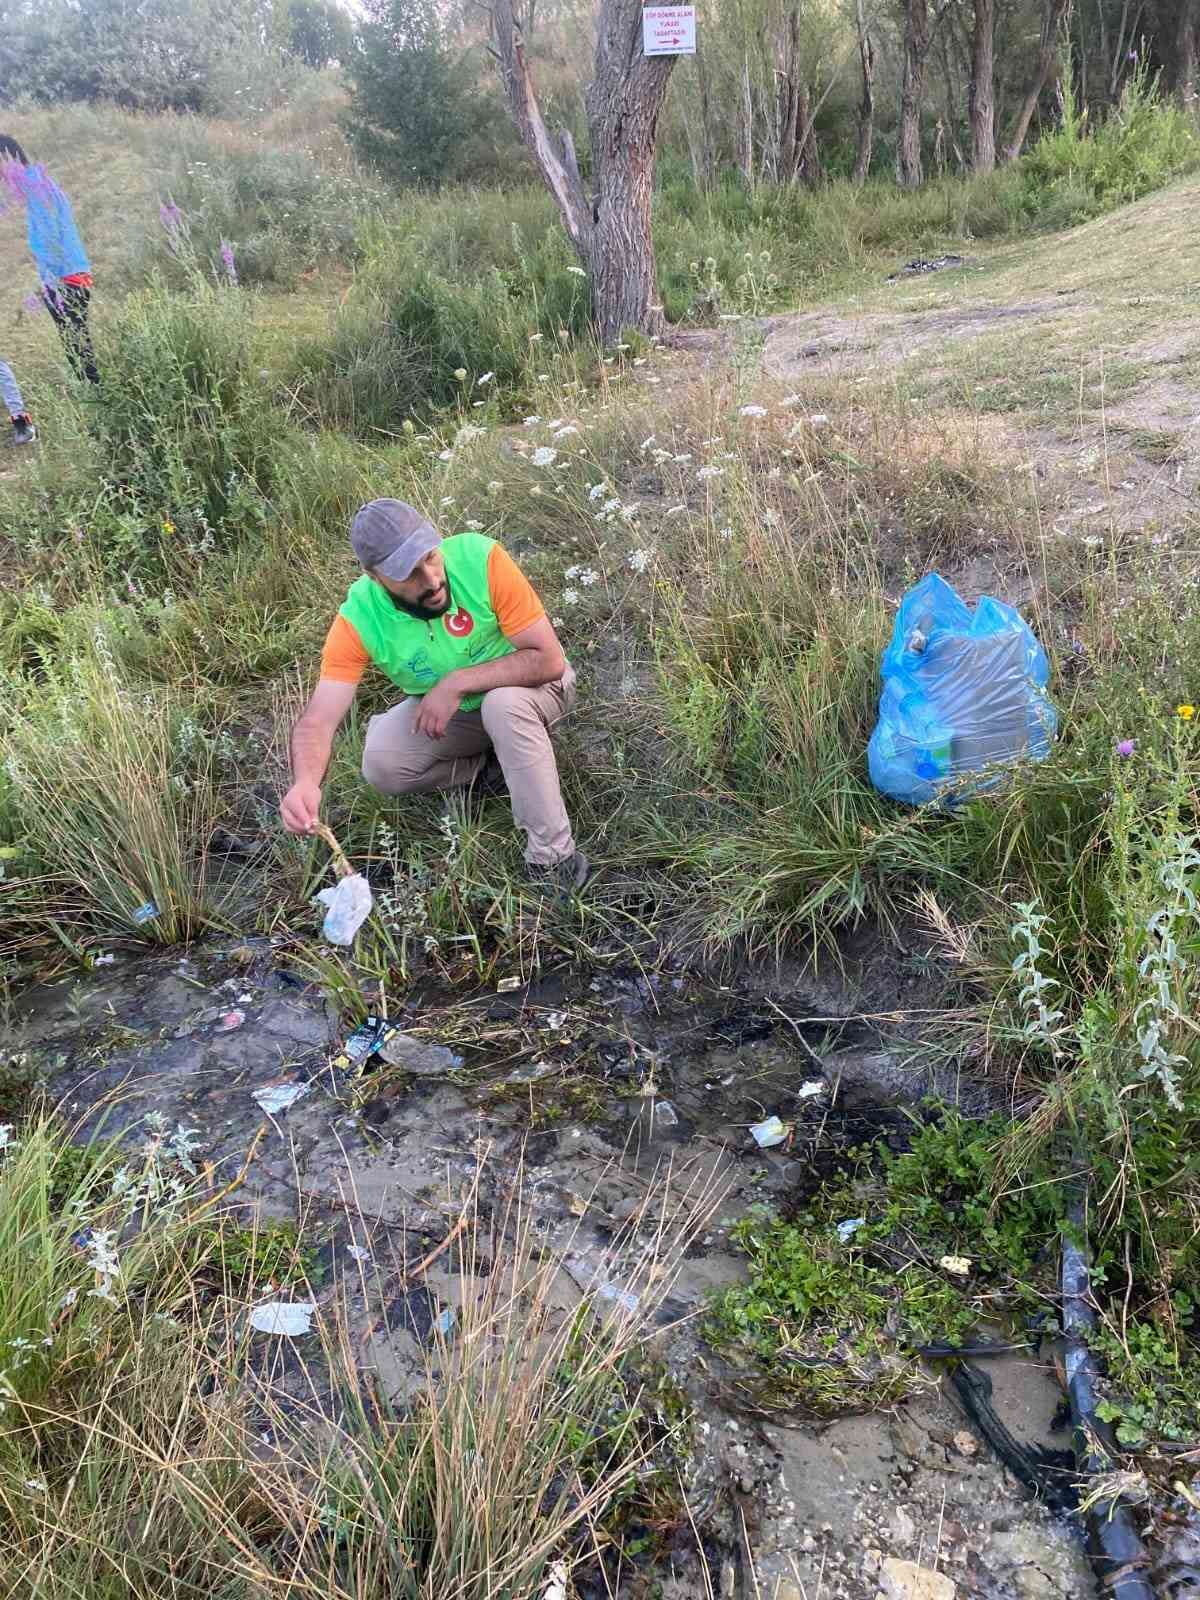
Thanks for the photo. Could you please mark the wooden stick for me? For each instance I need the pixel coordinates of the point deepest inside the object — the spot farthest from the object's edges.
(341, 865)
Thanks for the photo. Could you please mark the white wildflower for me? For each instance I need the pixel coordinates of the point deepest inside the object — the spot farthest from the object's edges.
(661, 455)
(597, 491)
(681, 460)
(570, 597)
(558, 622)
(754, 411)
(818, 419)
(725, 533)
(543, 377)
(710, 472)
(36, 1485)
(544, 456)
(466, 433)
(534, 337)
(588, 576)
(487, 378)
(578, 271)
(473, 525)
(639, 560)
(532, 422)
(647, 443)
(565, 433)
(494, 486)
(445, 455)
(630, 512)
(446, 500)
(789, 400)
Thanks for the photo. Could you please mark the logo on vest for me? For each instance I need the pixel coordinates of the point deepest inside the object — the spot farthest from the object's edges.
(460, 623)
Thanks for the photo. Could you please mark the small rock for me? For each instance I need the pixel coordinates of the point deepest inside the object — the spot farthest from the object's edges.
(904, 1529)
(786, 1590)
(966, 1443)
(905, 1580)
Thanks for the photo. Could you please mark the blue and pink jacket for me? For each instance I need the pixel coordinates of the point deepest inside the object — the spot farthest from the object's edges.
(53, 236)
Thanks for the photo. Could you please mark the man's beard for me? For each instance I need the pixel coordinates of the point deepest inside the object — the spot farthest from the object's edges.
(422, 613)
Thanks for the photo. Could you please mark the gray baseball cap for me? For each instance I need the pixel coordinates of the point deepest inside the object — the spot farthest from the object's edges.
(390, 537)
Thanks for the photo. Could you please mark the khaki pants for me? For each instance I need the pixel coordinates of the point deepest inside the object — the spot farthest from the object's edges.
(515, 723)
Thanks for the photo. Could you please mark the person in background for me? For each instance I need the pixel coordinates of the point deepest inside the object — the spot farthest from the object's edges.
(24, 431)
(457, 627)
(61, 260)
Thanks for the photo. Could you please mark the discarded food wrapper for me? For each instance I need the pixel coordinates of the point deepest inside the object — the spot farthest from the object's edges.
(146, 912)
(347, 906)
(576, 1205)
(507, 985)
(279, 1096)
(530, 1073)
(769, 1133)
(366, 1039)
(445, 1321)
(357, 1253)
(625, 1298)
(808, 1091)
(846, 1230)
(556, 1588)
(279, 1317)
(665, 1114)
(232, 1020)
(966, 1443)
(960, 1266)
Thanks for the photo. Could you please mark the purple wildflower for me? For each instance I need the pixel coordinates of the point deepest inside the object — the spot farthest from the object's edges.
(1125, 748)
(228, 262)
(170, 215)
(33, 303)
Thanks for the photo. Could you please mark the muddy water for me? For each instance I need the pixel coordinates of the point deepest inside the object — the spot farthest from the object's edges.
(591, 1091)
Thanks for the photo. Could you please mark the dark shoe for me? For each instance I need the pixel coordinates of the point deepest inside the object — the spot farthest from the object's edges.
(489, 783)
(563, 877)
(24, 431)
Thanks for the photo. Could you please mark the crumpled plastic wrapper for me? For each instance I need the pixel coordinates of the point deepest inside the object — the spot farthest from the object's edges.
(347, 906)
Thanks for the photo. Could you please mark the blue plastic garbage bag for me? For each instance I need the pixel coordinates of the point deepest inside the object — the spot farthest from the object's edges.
(963, 692)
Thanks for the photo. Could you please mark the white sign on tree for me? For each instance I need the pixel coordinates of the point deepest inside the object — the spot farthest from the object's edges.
(669, 31)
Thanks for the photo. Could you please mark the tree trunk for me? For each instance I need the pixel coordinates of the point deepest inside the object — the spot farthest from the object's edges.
(611, 235)
(866, 107)
(624, 101)
(1053, 12)
(1185, 52)
(980, 102)
(912, 87)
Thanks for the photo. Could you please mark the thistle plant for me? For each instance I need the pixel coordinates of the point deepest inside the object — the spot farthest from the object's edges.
(1041, 1019)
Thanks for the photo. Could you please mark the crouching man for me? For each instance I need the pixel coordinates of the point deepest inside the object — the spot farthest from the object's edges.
(455, 624)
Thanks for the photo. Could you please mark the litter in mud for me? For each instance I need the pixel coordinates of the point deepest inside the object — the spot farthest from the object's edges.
(279, 1096)
(362, 1044)
(347, 906)
(665, 1114)
(144, 913)
(288, 1321)
(446, 1321)
(846, 1230)
(809, 1091)
(923, 264)
(507, 985)
(232, 1020)
(625, 1298)
(769, 1133)
(958, 1266)
(530, 1073)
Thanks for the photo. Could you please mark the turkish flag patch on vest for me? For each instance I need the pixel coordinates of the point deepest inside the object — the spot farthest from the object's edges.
(459, 623)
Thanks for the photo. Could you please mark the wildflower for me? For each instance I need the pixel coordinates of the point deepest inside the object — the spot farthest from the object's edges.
(1186, 712)
(646, 443)
(544, 456)
(1125, 748)
(629, 512)
(445, 455)
(818, 419)
(466, 433)
(461, 374)
(487, 378)
(565, 433)
(446, 500)
(532, 422)
(639, 560)
(754, 411)
(534, 337)
(557, 622)
(473, 525)
(494, 486)
(578, 272)
(36, 1485)
(570, 597)
(228, 262)
(681, 460)
(596, 491)
(407, 425)
(788, 401)
(710, 472)
(168, 526)
(543, 377)
(588, 576)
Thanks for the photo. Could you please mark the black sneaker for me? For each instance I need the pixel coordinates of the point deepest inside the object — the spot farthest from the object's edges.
(563, 878)
(24, 431)
(489, 783)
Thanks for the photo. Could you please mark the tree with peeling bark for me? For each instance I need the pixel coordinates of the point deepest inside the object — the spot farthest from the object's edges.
(920, 26)
(981, 107)
(866, 107)
(610, 232)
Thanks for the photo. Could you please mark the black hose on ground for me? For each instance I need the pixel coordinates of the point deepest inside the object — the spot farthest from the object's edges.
(1114, 1545)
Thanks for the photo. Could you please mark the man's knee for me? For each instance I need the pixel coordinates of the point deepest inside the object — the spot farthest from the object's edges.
(387, 772)
(508, 708)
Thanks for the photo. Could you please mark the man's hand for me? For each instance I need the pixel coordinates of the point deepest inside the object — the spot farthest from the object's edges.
(301, 806)
(437, 706)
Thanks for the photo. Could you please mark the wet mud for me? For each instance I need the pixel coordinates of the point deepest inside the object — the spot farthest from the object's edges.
(607, 1098)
